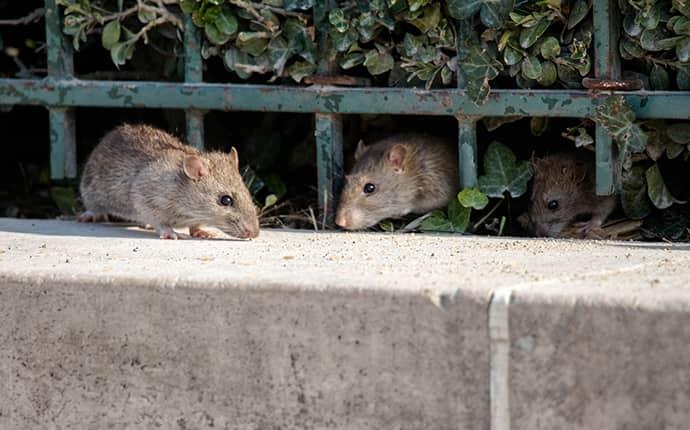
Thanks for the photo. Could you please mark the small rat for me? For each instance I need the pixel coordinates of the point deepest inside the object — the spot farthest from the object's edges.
(564, 202)
(144, 174)
(401, 174)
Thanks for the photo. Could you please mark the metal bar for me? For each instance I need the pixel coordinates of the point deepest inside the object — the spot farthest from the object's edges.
(329, 152)
(607, 65)
(265, 98)
(467, 128)
(193, 73)
(63, 153)
(328, 128)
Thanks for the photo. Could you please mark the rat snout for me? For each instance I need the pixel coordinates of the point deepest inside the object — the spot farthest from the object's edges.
(248, 230)
(341, 219)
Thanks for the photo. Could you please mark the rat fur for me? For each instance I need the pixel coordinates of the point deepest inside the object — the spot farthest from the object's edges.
(564, 202)
(410, 173)
(143, 174)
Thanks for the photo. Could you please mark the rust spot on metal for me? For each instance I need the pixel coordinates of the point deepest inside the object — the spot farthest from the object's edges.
(612, 84)
(346, 81)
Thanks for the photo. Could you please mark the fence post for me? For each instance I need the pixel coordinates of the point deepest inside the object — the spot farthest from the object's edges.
(63, 148)
(467, 128)
(328, 128)
(606, 66)
(193, 73)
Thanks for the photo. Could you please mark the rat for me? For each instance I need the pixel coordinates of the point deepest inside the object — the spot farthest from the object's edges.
(144, 174)
(564, 202)
(396, 176)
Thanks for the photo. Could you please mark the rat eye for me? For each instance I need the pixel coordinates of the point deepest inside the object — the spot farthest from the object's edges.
(226, 200)
(552, 205)
(369, 188)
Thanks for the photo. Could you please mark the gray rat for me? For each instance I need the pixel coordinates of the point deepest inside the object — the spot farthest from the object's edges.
(564, 202)
(144, 174)
(399, 175)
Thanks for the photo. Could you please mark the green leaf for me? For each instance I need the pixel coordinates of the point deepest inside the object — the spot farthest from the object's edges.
(146, 16)
(437, 222)
(478, 68)
(631, 25)
(214, 35)
(352, 60)
(683, 79)
(64, 198)
(463, 9)
(634, 198)
(538, 125)
(226, 22)
(502, 172)
(270, 200)
(378, 62)
(458, 215)
(528, 36)
(679, 133)
(232, 57)
(120, 53)
(298, 4)
(670, 224)
(577, 13)
(656, 189)
(549, 75)
(617, 118)
(650, 18)
(429, 19)
(550, 48)
(511, 56)
(111, 34)
(473, 198)
(337, 19)
(658, 78)
(531, 68)
(252, 42)
(300, 70)
(187, 6)
(278, 54)
(682, 6)
(683, 50)
(649, 40)
(276, 185)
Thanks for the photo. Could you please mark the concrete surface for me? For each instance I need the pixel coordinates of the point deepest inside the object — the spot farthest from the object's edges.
(110, 327)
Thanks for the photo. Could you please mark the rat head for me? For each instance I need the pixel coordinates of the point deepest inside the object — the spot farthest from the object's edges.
(379, 186)
(558, 194)
(217, 196)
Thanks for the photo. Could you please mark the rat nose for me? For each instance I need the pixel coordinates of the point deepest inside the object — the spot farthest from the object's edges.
(341, 219)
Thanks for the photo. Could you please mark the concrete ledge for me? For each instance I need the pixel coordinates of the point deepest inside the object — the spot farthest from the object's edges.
(107, 327)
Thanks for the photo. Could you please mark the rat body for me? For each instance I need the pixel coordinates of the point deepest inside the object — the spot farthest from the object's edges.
(564, 201)
(144, 174)
(399, 175)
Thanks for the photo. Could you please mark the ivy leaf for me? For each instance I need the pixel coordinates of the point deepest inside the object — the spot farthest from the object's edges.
(437, 222)
(502, 172)
(337, 19)
(656, 189)
(111, 34)
(214, 35)
(478, 68)
(473, 198)
(298, 4)
(617, 118)
(301, 69)
(493, 13)
(278, 54)
(378, 62)
(232, 57)
(634, 198)
(458, 215)
(252, 42)
(429, 20)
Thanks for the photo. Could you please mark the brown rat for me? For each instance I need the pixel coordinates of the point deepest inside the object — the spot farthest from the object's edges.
(564, 202)
(402, 174)
(144, 174)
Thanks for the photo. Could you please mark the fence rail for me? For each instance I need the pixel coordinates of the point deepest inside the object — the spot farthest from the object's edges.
(60, 92)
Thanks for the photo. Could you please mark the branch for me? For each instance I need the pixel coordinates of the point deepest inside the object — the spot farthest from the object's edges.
(33, 16)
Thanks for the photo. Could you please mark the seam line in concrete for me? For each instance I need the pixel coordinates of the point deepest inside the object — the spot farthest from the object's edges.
(499, 340)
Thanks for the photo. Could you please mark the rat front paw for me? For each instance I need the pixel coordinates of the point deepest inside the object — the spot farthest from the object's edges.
(200, 233)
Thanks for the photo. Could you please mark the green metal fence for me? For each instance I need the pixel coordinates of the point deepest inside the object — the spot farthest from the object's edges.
(60, 92)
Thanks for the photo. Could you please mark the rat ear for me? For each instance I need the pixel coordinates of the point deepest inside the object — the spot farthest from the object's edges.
(234, 157)
(361, 149)
(396, 157)
(194, 168)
